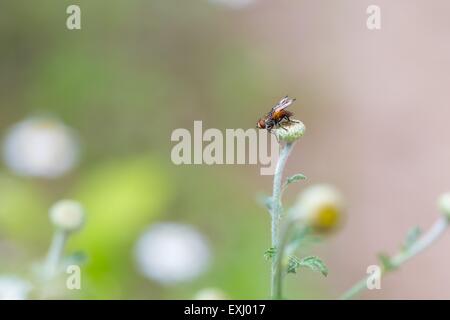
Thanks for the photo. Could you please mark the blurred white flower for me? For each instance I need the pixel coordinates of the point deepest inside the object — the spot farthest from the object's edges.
(320, 206)
(234, 4)
(170, 253)
(40, 147)
(210, 294)
(14, 288)
(67, 215)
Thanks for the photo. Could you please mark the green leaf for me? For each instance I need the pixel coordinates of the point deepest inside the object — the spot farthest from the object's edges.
(315, 264)
(270, 253)
(385, 261)
(295, 178)
(293, 264)
(411, 237)
(312, 262)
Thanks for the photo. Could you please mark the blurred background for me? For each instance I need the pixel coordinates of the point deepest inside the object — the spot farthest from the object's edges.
(88, 114)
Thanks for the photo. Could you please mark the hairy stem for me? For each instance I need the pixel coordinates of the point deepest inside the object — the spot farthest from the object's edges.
(55, 253)
(434, 233)
(276, 217)
(283, 242)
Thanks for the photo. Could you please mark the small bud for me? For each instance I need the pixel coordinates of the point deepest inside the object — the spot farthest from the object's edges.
(320, 207)
(444, 204)
(67, 215)
(289, 131)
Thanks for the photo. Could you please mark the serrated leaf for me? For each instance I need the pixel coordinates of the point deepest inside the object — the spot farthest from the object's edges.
(293, 264)
(312, 262)
(315, 264)
(295, 178)
(385, 261)
(270, 253)
(411, 237)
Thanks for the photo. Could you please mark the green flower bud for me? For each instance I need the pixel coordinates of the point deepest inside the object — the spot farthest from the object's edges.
(289, 131)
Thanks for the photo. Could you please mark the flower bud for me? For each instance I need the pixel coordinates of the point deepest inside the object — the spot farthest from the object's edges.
(320, 207)
(444, 204)
(67, 215)
(289, 131)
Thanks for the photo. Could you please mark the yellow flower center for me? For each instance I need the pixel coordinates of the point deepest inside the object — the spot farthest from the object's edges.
(327, 218)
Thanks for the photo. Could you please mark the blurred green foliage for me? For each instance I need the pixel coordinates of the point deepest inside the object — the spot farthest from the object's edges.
(121, 197)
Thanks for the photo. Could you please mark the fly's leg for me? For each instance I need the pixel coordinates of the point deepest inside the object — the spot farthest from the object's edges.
(269, 129)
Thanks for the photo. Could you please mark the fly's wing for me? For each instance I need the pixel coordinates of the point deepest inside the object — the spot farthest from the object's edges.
(283, 104)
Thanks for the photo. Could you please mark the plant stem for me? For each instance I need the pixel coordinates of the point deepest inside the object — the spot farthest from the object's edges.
(283, 241)
(276, 217)
(55, 253)
(434, 233)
